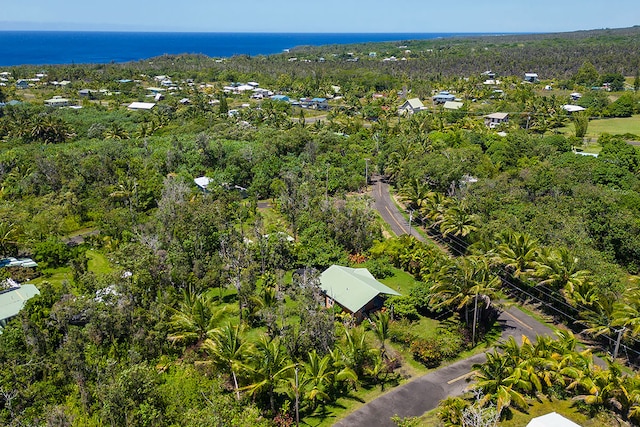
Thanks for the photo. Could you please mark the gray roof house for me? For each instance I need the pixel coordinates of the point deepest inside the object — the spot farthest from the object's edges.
(411, 106)
(495, 119)
(13, 300)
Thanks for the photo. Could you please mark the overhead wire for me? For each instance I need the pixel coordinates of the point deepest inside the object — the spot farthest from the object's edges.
(580, 308)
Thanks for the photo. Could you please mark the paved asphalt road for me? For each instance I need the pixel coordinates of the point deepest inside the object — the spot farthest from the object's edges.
(388, 210)
(424, 393)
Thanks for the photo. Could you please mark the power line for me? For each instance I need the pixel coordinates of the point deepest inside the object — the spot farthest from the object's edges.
(549, 295)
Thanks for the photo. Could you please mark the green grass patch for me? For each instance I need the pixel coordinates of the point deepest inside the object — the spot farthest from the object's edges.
(613, 126)
(98, 263)
(401, 281)
(55, 276)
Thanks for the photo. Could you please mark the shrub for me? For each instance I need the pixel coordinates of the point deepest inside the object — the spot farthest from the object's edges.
(403, 307)
(427, 351)
(52, 253)
(400, 333)
(380, 268)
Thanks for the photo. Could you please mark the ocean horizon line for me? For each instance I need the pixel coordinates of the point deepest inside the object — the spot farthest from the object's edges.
(53, 47)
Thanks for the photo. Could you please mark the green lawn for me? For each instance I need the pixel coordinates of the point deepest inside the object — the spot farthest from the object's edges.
(614, 126)
(98, 263)
(401, 281)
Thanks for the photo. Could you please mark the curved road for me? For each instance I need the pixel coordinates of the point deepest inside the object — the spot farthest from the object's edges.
(388, 210)
(424, 393)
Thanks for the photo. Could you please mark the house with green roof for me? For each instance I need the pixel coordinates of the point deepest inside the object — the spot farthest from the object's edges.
(13, 300)
(353, 289)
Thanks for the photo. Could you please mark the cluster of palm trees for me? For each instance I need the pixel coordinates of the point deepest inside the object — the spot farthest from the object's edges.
(515, 373)
(448, 215)
(262, 368)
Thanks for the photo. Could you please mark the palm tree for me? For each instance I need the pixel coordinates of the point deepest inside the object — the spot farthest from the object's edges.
(356, 353)
(457, 220)
(268, 368)
(559, 269)
(435, 206)
(229, 350)
(494, 378)
(8, 235)
(195, 319)
(116, 131)
(462, 283)
(627, 313)
(381, 330)
(518, 252)
(321, 376)
(415, 192)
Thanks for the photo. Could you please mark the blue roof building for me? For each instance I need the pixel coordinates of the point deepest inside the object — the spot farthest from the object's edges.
(282, 98)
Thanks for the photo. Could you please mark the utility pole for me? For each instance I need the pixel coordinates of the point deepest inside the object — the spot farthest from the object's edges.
(366, 175)
(326, 186)
(615, 351)
(297, 400)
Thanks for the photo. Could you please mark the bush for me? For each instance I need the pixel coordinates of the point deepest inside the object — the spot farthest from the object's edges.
(380, 268)
(52, 253)
(400, 333)
(403, 307)
(427, 351)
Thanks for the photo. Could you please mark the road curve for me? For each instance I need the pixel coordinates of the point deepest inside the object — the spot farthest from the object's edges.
(424, 393)
(379, 190)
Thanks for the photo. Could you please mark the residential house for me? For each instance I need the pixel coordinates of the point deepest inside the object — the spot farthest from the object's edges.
(202, 182)
(452, 105)
(443, 97)
(353, 289)
(22, 84)
(531, 77)
(575, 96)
(496, 119)
(320, 103)
(489, 74)
(281, 98)
(411, 106)
(57, 101)
(572, 108)
(13, 299)
(141, 106)
(552, 419)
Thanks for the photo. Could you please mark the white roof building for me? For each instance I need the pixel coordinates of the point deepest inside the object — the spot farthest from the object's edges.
(572, 108)
(411, 106)
(552, 419)
(452, 105)
(202, 182)
(141, 105)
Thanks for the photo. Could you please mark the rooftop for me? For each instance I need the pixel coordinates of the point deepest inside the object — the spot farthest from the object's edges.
(352, 288)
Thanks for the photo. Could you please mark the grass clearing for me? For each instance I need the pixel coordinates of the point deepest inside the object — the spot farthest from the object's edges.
(401, 281)
(98, 263)
(613, 126)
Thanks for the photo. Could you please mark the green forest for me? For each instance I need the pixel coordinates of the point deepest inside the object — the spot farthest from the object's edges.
(162, 303)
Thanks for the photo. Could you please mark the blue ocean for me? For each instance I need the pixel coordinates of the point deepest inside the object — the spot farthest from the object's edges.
(78, 47)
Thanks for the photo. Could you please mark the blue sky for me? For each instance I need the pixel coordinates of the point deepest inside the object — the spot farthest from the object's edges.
(423, 16)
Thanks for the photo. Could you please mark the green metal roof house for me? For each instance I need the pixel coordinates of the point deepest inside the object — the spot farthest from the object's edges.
(12, 301)
(354, 289)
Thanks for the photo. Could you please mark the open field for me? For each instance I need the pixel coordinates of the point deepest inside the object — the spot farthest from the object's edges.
(614, 126)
